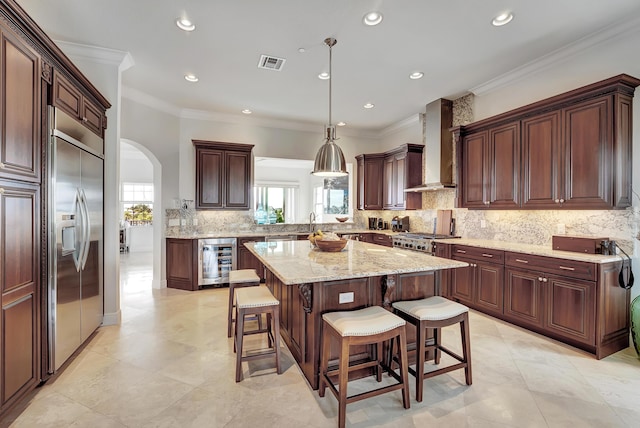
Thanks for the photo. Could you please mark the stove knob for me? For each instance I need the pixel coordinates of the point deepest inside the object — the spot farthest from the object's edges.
(410, 245)
(406, 245)
(418, 247)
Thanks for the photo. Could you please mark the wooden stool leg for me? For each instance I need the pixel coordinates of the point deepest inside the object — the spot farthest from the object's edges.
(269, 329)
(230, 314)
(343, 379)
(404, 368)
(466, 347)
(324, 359)
(420, 350)
(437, 338)
(238, 341)
(379, 355)
(275, 319)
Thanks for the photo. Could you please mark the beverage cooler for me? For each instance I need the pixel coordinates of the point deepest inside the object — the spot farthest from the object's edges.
(216, 257)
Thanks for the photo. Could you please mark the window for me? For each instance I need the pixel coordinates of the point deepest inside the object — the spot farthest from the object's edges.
(137, 203)
(274, 202)
(331, 198)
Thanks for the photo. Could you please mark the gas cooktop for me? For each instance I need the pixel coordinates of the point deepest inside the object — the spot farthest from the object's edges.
(414, 235)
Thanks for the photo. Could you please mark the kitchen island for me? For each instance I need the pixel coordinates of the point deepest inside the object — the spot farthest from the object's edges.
(309, 282)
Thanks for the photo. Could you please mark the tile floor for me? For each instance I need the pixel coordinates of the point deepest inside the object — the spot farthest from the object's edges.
(170, 364)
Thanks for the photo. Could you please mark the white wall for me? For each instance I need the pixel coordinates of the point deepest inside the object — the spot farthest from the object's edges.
(138, 170)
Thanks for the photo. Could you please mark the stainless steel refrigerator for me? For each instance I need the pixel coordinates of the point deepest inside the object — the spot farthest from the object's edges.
(75, 236)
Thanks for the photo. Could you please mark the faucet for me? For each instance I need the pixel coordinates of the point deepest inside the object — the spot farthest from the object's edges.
(312, 220)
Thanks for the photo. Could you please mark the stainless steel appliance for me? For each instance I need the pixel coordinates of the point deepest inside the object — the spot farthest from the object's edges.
(216, 257)
(400, 224)
(373, 223)
(75, 285)
(422, 242)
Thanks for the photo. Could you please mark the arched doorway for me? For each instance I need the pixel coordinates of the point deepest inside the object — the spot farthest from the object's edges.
(133, 155)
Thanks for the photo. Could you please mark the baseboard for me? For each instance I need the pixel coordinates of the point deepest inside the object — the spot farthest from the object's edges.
(159, 284)
(112, 318)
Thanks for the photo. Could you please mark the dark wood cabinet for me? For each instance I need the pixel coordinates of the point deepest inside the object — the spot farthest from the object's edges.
(246, 259)
(68, 97)
(182, 263)
(20, 112)
(223, 175)
(369, 181)
(402, 169)
(479, 285)
(383, 177)
(523, 299)
(570, 151)
(19, 289)
(440, 249)
(491, 169)
(382, 239)
(570, 308)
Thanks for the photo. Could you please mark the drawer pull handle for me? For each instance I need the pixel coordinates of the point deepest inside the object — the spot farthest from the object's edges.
(461, 251)
(566, 268)
(487, 255)
(522, 261)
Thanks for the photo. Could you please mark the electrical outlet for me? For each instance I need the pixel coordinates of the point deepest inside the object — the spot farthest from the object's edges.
(483, 224)
(560, 229)
(345, 297)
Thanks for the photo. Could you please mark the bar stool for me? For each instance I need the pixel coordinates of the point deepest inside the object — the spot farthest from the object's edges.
(372, 325)
(237, 279)
(436, 312)
(256, 301)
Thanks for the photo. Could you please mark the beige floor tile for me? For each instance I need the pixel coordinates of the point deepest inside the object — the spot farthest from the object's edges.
(170, 364)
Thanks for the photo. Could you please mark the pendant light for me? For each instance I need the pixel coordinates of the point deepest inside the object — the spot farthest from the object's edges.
(330, 160)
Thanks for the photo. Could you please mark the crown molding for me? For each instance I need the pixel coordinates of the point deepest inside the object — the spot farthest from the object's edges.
(123, 60)
(236, 119)
(411, 121)
(611, 32)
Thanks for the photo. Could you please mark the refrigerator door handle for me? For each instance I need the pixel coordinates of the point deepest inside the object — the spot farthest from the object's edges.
(78, 251)
(87, 230)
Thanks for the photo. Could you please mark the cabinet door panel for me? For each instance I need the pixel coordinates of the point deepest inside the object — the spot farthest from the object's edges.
(92, 117)
(462, 283)
(474, 170)
(489, 287)
(541, 160)
(570, 310)
(523, 297)
(400, 179)
(20, 111)
(504, 156)
(237, 166)
(389, 183)
(209, 179)
(373, 184)
(588, 139)
(19, 279)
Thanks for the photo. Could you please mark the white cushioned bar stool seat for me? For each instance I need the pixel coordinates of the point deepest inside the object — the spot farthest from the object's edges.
(237, 279)
(369, 326)
(434, 313)
(256, 301)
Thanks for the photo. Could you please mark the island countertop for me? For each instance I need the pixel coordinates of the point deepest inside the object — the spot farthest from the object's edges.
(296, 262)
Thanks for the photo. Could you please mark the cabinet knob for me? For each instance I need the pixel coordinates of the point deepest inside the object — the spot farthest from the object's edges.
(540, 278)
(544, 279)
(557, 201)
(561, 201)
(1, 165)
(486, 202)
(84, 119)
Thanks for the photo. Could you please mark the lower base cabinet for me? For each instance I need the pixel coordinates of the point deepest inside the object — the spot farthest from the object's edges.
(246, 259)
(579, 303)
(182, 263)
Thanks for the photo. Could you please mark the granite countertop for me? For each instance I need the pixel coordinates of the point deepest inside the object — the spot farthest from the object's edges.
(296, 262)
(538, 250)
(214, 235)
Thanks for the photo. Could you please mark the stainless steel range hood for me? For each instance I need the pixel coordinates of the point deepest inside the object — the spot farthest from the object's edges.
(438, 147)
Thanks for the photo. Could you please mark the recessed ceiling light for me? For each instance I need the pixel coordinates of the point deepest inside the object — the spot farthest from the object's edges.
(301, 50)
(324, 75)
(341, 123)
(372, 18)
(185, 24)
(247, 111)
(416, 75)
(368, 105)
(502, 19)
(191, 78)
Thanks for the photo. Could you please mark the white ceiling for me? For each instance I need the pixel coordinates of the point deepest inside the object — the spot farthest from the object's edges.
(451, 41)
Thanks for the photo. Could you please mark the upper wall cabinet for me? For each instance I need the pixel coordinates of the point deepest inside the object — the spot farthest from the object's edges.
(69, 98)
(370, 171)
(570, 151)
(223, 175)
(20, 124)
(382, 178)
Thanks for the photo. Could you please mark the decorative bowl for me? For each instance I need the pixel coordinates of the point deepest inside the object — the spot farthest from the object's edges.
(342, 219)
(331, 246)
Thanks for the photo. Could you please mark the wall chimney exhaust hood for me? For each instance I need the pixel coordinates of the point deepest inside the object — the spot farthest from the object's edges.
(438, 148)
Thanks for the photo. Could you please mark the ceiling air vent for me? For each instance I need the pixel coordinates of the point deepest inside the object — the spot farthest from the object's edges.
(271, 62)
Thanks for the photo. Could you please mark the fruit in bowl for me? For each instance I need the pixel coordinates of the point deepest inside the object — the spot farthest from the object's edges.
(342, 219)
(330, 242)
(318, 234)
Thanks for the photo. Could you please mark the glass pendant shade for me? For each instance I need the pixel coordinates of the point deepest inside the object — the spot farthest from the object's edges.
(330, 160)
